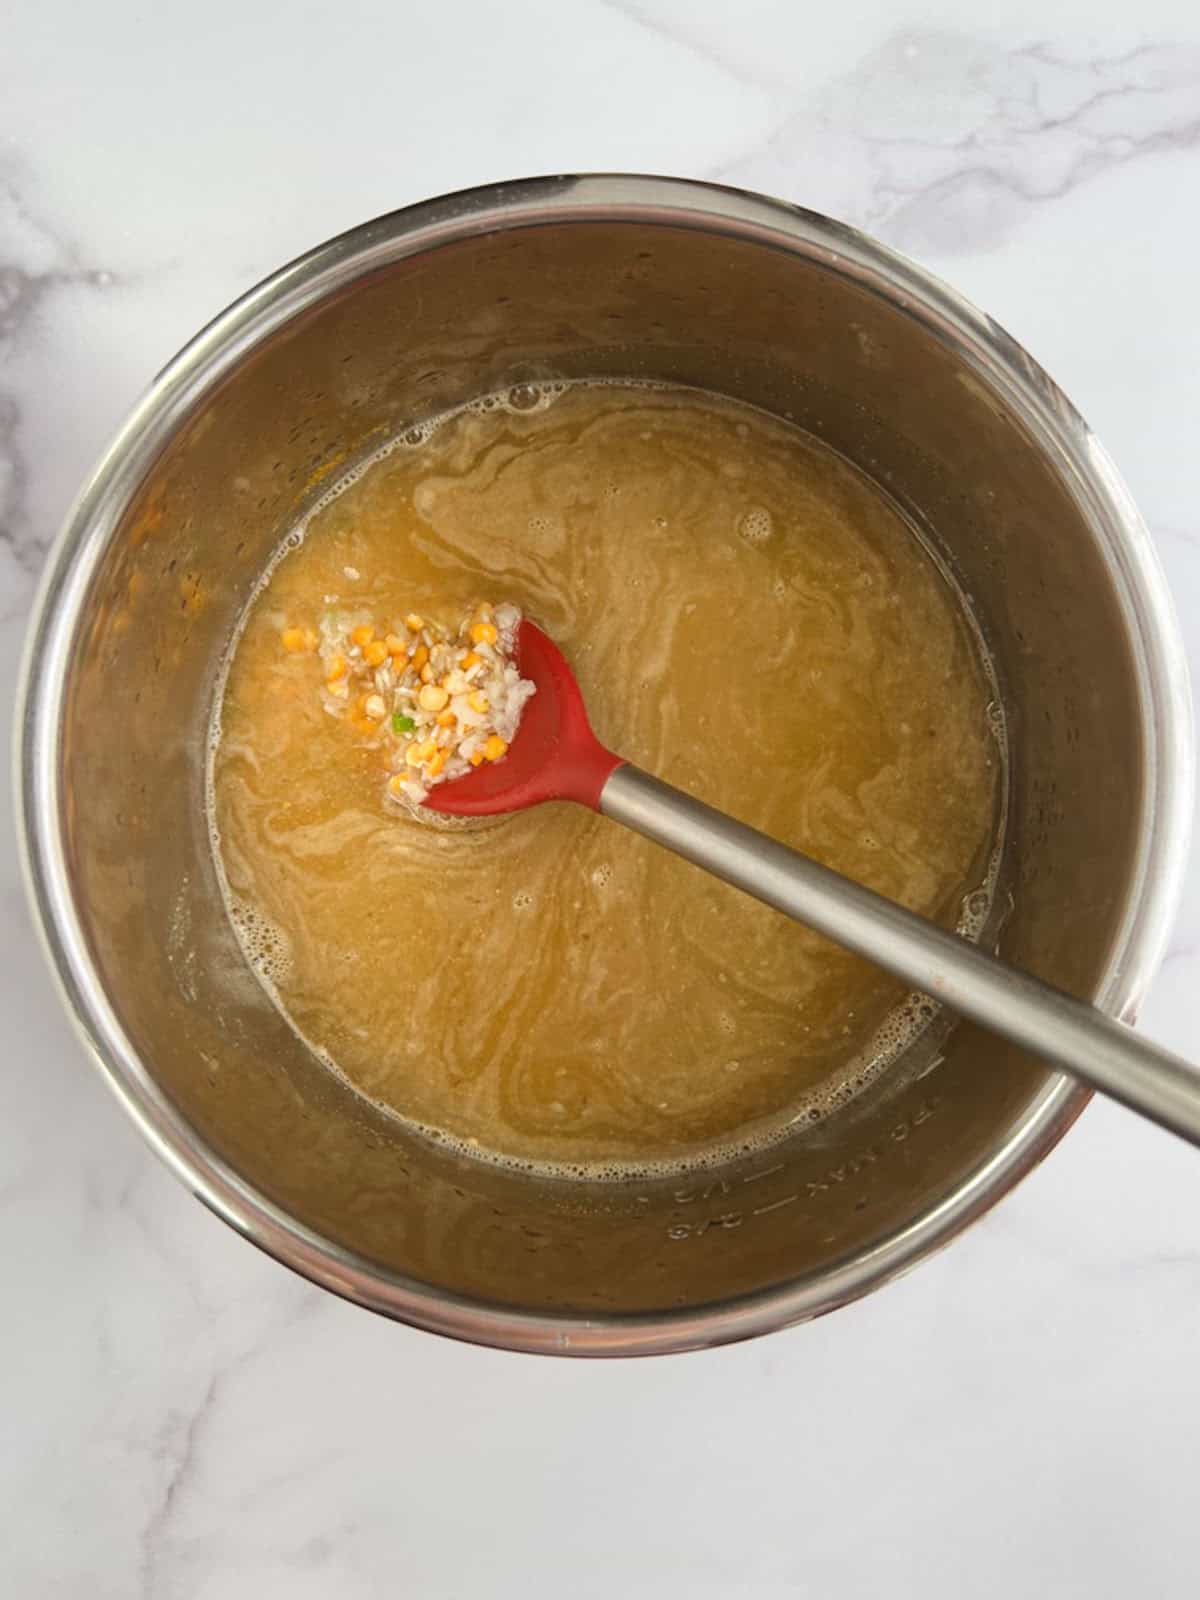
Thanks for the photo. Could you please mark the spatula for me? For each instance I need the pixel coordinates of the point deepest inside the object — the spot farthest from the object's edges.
(556, 756)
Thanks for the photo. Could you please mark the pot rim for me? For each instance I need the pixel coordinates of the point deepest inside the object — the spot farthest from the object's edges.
(1056, 428)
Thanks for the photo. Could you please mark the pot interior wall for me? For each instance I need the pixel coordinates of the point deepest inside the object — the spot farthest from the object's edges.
(807, 337)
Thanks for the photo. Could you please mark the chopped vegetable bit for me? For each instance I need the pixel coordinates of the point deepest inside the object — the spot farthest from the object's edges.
(450, 706)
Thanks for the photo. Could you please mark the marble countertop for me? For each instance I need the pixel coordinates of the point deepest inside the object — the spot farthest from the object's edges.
(185, 1420)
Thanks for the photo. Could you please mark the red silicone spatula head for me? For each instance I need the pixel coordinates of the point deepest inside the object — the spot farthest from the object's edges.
(554, 756)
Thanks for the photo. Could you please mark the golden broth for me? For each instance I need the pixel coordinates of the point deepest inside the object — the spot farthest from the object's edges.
(750, 619)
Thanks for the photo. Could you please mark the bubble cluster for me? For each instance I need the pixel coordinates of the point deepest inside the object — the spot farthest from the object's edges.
(266, 946)
(756, 525)
(541, 523)
(973, 914)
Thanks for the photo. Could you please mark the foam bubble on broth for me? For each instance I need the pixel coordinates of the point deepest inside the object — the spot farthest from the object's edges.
(756, 526)
(267, 947)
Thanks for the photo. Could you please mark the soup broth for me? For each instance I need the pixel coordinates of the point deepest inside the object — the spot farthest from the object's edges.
(749, 618)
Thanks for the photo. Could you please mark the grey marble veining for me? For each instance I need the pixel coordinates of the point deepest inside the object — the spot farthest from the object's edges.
(939, 142)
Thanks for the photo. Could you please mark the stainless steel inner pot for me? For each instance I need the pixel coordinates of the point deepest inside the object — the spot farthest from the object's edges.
(394, 322)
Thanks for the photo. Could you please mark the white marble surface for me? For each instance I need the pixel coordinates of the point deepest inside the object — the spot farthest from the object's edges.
(181, 1418)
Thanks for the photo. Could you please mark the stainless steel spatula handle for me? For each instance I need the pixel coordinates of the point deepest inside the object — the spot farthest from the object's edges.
(1061, 1030)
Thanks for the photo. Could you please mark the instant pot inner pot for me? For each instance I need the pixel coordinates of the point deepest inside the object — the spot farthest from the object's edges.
(806, 336)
